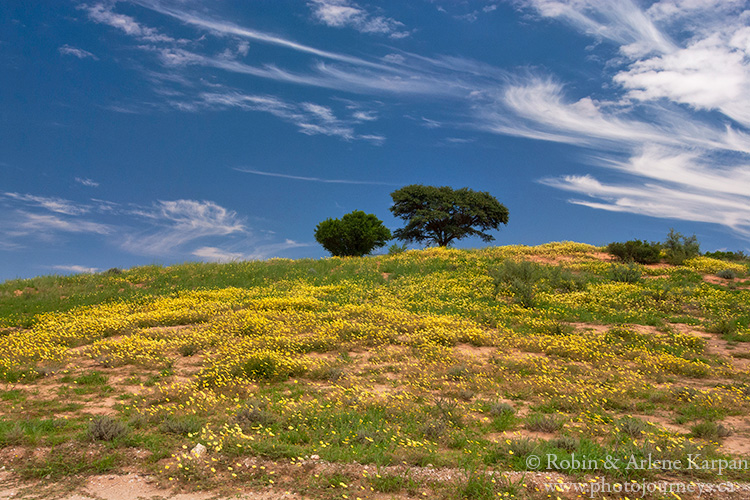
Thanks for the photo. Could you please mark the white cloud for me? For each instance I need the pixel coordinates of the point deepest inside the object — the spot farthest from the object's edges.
(655, 200)
(166, 229)
(538, 108)
(203, 216)
(673, 184)
(394, 58)
(680, 164)
(312, 179)
(365, 116)
(44, 226)
(270, 250)
(458, 140)
(310, 118)
(214, 254)
(51, 203)
(104, 14)
(620, 21)
(76, 52)
(174, 224)
(86, 182)
(223, 28)
(343, 13)
(76, 269)
(711, 74)
(256, 251)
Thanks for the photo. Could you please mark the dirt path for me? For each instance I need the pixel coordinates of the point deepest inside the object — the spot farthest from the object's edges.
(118, 487)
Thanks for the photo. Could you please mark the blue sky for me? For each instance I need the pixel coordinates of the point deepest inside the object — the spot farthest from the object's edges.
(158, 131)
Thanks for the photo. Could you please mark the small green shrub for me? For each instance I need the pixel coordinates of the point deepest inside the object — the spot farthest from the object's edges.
(638, 251)
(625, 273)
(479, 486)
(543, 423)
(519, 278)
(387, 483)
(567, 443)
(92, 378)
(254, 414)
(434, 429)
(106, 429)
(268, 365)
(498, 408)
(447, 410)
(727, 274)
(396, 249)
(523, 279)
(187, 350)
(679, 248)
(632, 427)
(458, 372)
(523, 447)
(503, 416)
(710, 430)
(182, 426)
(739, 256)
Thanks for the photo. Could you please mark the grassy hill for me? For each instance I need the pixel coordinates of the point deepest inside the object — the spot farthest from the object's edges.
(297, 374)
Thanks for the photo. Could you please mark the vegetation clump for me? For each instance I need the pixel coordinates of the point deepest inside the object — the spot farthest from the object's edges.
(106, 428)
(639, 251)
(441, 215)
(354, 235)
(679, 248)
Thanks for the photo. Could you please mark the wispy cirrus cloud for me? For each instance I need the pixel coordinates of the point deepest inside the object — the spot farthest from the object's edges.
(313, 179)
(538, 108)
(259, 252)
(619, 21)
(310, 118)
(223, 28)
(676, 162)
(168, 229)
(51, 203)
(104, 13)
(173, 224)
(671, 63)
(46, 225)
(214, 254)
(85, 181)
(76, 52)
(75, 269)
(347, 14)
(658, 200)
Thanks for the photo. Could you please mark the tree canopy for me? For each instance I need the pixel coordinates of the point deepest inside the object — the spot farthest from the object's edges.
(355, 234)
(441, 215)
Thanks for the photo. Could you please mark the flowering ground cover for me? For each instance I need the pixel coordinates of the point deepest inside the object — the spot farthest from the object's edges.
(305, 375)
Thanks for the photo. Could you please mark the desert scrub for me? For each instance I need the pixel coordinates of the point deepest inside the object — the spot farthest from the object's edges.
(727, 274)
(106, 429)
(628, 273)
(638, 251)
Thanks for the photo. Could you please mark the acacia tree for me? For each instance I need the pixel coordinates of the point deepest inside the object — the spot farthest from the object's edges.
(441, 215)
(355, 234)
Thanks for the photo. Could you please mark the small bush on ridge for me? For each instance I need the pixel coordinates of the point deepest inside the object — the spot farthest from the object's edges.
(679, 248)
(638, 251)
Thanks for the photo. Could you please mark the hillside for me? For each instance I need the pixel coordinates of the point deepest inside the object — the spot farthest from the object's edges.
(433, 373)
